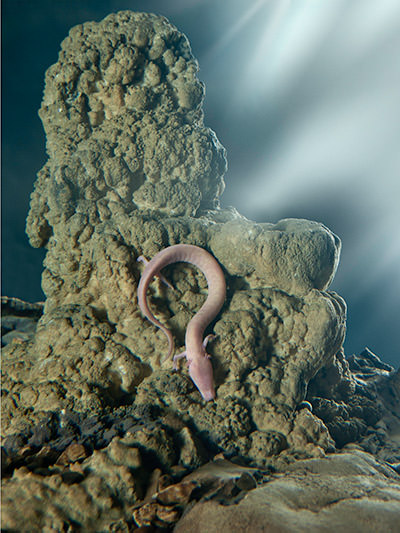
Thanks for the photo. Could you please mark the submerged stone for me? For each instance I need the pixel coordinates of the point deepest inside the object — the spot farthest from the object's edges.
(90, 409)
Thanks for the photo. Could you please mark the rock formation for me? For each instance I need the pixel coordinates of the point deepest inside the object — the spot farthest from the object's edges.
(331, 494)
(132, 169)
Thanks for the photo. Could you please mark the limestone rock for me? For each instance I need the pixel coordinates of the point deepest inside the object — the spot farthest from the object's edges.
(343, 492)
(122, 112)
(278, 255)
(358, 398)
(132, 169)
(165, 506)
(94, 494)
(102, 431)
(18, 320)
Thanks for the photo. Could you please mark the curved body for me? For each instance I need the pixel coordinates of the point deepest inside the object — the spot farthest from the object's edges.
(200, 369)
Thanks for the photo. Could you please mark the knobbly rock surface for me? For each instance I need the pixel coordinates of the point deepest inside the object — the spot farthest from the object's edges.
(128, 156)
(343, 492)
(359, 401)
(18, 320)
(131, 170)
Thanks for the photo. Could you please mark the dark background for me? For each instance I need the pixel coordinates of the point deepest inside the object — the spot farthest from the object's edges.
(303, 95)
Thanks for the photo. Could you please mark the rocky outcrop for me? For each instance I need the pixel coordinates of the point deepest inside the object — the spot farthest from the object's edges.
(18, 319)
(358, 399)
(122, 112)
(131, 170)
(343, 492)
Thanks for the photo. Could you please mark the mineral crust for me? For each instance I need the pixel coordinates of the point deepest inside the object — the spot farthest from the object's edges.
(131, 170)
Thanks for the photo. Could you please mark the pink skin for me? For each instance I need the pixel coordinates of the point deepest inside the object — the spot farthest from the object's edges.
(200, 368)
